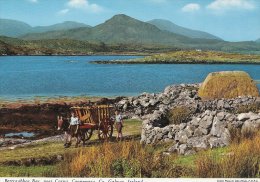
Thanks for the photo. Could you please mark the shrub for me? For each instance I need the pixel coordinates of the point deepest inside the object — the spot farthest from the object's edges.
(241, 161)
(254, 107)
(124, 159)
(179, 114)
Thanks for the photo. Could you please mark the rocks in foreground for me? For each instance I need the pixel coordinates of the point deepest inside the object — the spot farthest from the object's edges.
(207, 124)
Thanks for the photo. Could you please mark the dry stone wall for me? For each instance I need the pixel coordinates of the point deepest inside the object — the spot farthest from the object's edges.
(208, 126)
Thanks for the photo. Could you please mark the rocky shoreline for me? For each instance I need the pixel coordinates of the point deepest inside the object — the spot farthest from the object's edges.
(209, 124)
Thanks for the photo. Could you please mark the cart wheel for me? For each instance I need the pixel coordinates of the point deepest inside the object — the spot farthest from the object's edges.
(86, 134)
(105, 131)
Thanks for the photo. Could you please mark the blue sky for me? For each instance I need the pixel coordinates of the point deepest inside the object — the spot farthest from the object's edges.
(232, 20)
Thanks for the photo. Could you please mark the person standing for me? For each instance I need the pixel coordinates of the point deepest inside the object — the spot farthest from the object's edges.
(119, 125)
(73, 130)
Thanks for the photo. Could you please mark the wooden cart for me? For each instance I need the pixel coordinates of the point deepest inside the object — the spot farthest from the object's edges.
(95, 118)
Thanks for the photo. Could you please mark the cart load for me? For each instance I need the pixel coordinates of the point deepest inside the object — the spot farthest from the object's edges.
(98, 117)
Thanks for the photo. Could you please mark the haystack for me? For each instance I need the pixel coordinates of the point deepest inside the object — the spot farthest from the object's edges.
(228, 84)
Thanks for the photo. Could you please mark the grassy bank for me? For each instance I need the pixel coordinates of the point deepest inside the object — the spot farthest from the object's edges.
(191, 57)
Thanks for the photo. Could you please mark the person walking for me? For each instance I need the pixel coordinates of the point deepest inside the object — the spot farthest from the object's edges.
(119, 125)
(73, 130)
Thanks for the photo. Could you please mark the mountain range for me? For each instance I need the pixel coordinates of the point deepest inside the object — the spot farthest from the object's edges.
(119, 31)
(171, 27)
(122, 29)
(14, 28)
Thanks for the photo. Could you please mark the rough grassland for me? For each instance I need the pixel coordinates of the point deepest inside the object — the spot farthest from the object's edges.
(228, 84)
(191, 57)
(131, 159)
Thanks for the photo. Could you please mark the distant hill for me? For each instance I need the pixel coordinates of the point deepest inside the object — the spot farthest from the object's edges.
(258, 40)
(59, 26)
(15, 46)
(121, 33)
(13, 28)
(171, 27)
(122, 29)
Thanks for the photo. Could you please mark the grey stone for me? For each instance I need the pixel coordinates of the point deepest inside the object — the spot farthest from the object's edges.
(153, 102)
(174, 148)
(123, 102)
(125, 107)
(200, 143)
(206, 122)
(189, 131)
(250, 126)
(182, 149)
(136, 102)
(220, 104)
(221, 116)
(217, 127)
(181, 137)
(215, 142)
(200, 131)
(182, 126)
(195, 121)
(243, 116)
(226, 137)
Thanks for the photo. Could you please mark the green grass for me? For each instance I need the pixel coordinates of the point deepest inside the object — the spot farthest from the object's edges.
(132, 127)
(22, 171)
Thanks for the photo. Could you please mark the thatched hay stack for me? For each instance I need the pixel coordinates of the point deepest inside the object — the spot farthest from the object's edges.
(228, 84)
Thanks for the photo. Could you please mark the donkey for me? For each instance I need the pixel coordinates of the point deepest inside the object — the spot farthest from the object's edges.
(64, 126)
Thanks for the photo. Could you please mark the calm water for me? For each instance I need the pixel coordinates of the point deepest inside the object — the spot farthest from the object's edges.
(29, 76)
(21, 134)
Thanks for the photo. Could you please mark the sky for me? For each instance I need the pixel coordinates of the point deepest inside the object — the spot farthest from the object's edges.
(231, 20)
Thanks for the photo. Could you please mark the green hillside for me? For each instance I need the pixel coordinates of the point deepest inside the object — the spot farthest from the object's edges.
(120, 34)
(171, 27)
(122, 29)
(59, 26)
(14, 46)
(13, 28)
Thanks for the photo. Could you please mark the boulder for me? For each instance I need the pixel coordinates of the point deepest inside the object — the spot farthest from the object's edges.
(227, 84)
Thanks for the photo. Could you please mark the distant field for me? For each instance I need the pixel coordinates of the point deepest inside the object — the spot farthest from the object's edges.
(191, 57)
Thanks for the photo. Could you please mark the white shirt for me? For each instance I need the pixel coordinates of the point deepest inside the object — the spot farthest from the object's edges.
(118, 118)
(74, 121)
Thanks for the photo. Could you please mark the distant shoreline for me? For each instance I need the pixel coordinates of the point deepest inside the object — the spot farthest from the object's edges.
(190, 57)
(99, 54)
(170, 62)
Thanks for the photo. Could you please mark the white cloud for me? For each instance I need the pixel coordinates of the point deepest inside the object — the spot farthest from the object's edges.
(63, 11)
(222, 5)
(33, 1)
(191, 7)
(86, 5)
